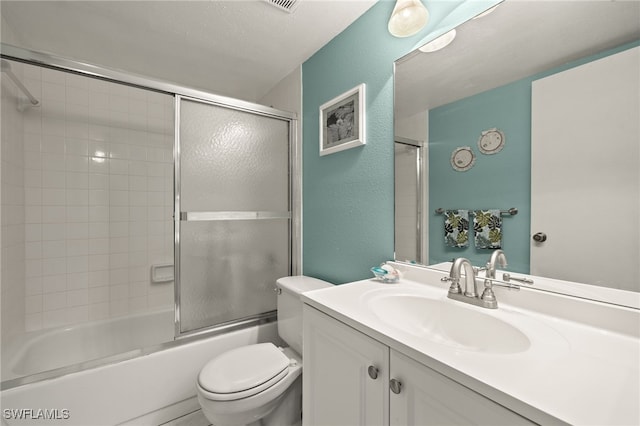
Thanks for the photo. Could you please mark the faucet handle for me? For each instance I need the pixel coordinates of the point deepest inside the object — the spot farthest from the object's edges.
(488, 296)
(478, 269)
(455, 284)
(507, 277)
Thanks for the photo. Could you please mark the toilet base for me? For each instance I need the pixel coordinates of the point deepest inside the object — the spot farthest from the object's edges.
(285, 410)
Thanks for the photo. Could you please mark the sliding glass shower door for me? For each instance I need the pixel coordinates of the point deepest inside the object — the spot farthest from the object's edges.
(233, 215)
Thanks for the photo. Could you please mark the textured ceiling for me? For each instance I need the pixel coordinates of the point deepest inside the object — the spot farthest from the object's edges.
(239, 48)
(520, 38)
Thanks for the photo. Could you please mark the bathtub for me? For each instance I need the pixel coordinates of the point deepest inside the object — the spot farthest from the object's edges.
(149, 389)
(51, 349)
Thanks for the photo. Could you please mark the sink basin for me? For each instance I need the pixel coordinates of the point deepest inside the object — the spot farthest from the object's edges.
(449, 323)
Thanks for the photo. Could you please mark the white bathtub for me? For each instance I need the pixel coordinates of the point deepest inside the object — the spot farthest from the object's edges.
(147, 390)
(50, 349)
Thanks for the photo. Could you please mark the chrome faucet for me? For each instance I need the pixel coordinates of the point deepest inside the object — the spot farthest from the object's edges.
(488, 296)
(470, 287)
(470, 293)
(497, 256)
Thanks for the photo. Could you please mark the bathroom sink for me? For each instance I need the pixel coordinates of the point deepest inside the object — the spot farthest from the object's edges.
(448, 323)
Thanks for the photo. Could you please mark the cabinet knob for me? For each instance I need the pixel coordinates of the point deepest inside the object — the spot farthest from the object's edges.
(395, 385)
(539, 237)
(373, 372)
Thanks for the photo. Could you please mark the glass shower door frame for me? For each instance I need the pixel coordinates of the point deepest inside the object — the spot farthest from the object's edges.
(420, 198)
(47, 60)
(292, 215)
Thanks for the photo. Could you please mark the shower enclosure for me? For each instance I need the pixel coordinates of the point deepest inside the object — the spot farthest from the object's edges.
(408, 200)
(134, 213)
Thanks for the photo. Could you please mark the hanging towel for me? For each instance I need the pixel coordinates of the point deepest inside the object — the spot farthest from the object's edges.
(456, 228)
(487, 225)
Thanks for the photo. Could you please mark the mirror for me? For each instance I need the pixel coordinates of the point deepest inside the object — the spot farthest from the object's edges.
(501, 89)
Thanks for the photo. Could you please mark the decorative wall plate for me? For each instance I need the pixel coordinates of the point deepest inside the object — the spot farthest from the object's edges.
(491, 141)
(462, 158)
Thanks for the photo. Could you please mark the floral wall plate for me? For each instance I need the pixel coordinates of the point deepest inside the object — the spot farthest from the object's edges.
(491, 141)
(462, 158)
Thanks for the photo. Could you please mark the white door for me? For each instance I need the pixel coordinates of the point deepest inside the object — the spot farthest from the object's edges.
(585, 172)
(426, 397)
(346, 375)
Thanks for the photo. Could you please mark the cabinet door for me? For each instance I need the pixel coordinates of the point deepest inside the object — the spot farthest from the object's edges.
(428, 398)
(337, 387)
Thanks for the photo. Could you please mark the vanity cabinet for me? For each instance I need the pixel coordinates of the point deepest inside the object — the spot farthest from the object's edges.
(345, 375)
(352, 379)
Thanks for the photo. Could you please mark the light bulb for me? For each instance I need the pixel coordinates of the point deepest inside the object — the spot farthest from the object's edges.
(408, 17)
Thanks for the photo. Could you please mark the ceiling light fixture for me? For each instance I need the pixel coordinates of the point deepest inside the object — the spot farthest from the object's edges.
(439, 43)
(486, 12)
(408, 17)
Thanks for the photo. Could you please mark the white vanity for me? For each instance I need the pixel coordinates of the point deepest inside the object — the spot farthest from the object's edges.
(405, 354)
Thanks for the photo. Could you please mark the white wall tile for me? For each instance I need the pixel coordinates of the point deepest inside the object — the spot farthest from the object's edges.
(98, 311)
(53, 232)
(33, 322)
(53, 91)
(57, 318)
(119, 213)
(33, 286)
(54, 214)
(75, 231)
(76, 163)
(77, 197)
(32, 142)
(77, 213)
(54, 248)
(54, 266)
(98, 278)
(53, 144)
(92, 166)
(54, 162)
(54, 301)
(33, 304)
(78, 147)
(54, 283)
(78, 297)
(98, 214)
(98, 294)
(77, 314)
(77, 264)
(76, 180)
(77, 281)
(98, 262)
(77, 95)
(98, 246)
(53, 197)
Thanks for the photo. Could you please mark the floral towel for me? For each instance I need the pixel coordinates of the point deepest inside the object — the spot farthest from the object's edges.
(456, 228)
(487, 225)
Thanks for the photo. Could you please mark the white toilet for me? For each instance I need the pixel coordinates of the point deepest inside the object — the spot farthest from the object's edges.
(261, 384)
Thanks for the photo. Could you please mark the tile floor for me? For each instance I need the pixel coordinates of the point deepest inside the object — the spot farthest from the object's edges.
(196, 418)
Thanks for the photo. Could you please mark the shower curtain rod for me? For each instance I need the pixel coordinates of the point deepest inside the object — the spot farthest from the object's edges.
(6, 68)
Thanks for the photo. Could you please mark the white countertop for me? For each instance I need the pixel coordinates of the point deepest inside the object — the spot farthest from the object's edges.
(582, 366)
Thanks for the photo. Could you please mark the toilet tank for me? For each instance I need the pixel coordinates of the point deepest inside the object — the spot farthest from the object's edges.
(290, 307)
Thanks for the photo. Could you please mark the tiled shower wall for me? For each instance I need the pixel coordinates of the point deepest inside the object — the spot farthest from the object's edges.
(98, 191)
(12, 190)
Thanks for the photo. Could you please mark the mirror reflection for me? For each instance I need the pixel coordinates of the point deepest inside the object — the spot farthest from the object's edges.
(533, 107)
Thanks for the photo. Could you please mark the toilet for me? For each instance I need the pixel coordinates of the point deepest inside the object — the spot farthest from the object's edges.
(261, 384)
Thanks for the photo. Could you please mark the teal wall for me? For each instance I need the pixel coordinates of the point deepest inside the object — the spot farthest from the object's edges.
(348, 196)
(502, 180)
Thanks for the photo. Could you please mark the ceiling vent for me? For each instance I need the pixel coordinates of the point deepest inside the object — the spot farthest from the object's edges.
(284, 5)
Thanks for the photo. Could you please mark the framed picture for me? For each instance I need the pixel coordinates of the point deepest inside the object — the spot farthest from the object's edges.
(342, 121)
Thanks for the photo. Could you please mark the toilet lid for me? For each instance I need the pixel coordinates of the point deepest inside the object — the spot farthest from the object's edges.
(243, 369)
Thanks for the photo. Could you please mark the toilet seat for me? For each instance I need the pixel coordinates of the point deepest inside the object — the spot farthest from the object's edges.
(243, 372)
